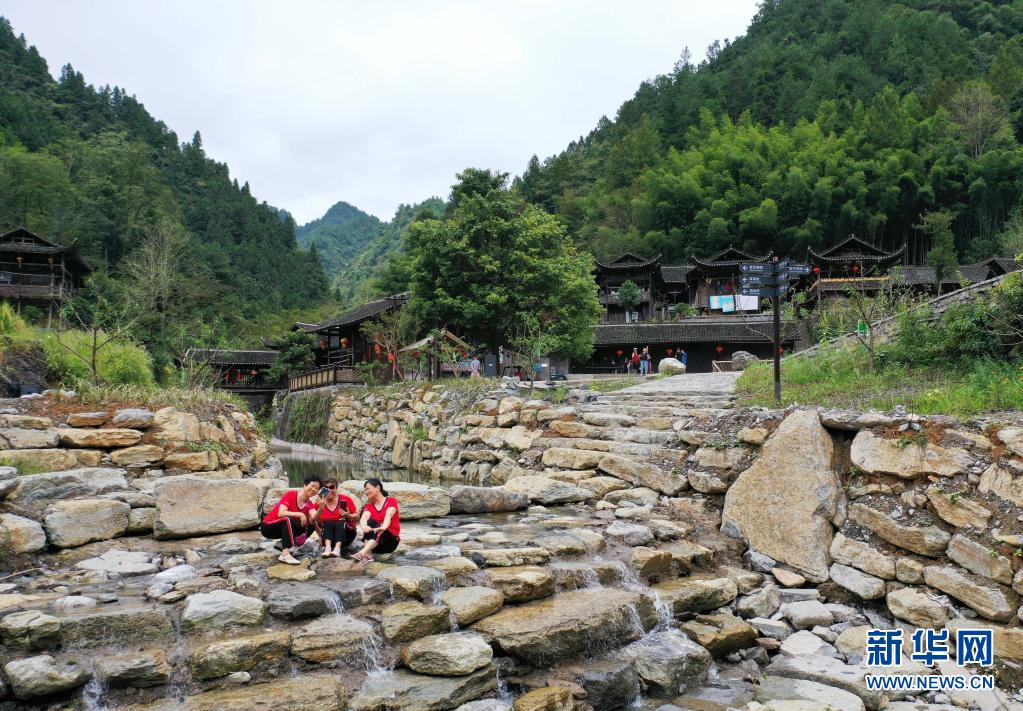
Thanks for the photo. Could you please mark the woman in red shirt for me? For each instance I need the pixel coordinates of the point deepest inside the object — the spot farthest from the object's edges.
(381, 529)
(291, 519)
(337, 515)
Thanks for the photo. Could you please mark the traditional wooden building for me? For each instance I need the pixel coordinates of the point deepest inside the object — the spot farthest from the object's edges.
(852, 263)
(610, 276)
(242, 372)
(715, 283)
(37, 272)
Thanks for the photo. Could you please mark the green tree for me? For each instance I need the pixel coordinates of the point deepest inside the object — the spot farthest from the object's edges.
(295, 356)
(629, 297)
(942, 256)
(494, 259)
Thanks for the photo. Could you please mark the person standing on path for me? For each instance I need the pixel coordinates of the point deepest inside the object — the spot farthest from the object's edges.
(684, 359)
(644, 361)
(634, 361)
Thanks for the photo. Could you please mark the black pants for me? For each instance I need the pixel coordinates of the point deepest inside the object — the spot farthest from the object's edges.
(386, 541)
(286, 530)
(337, 532)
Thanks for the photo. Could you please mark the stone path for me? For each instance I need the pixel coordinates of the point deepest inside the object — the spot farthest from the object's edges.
(688, 385)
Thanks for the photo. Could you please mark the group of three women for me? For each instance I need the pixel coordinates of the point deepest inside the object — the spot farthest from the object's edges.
(320, 506)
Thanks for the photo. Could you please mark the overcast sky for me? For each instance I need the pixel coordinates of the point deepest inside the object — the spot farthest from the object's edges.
(374, 103)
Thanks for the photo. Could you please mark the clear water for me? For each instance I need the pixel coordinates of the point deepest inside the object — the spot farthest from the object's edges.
(342, 467)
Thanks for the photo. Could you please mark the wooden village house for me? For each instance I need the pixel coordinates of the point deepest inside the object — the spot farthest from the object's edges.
(37, 272)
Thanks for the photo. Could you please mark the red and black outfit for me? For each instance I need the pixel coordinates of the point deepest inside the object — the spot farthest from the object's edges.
(389, 538)
(335, 528)
(290, 532)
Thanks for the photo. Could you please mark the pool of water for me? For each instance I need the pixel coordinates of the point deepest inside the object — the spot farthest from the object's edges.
(342, 467)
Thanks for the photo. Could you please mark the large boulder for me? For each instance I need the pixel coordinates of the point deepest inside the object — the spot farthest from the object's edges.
(30, 629)
(210, 611)
(21, 535)
(453, 654)
(37, 677)
(785, 503)
(407, 690)
(413, 580)
(79, 521)
(522, 584)
(486, 499)
(696, 594)
(408, 621)
(171, 426)
(905, 459)
(669, 662)
(569, 624)
(37, 491)
(670, 366)
(194, 506)
(415, 501)
(117, 625)
(742, 359)
(294, 601)
(544, 490)
(472, 603)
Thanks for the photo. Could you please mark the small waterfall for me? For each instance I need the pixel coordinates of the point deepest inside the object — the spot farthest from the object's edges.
(303, 417)
(92, 695)
(665, 618)
(371, 650)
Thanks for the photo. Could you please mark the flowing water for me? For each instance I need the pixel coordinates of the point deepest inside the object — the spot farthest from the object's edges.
(299, 464)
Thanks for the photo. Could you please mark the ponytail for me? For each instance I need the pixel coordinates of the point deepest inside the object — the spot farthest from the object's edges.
(378, 484)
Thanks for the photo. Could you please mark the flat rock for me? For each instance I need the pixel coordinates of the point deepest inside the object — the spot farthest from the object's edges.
(547, 698)
(141, 669)
(806, 642)
(114, 625)
(36, 491)
(36, 677)
(18, 438)
(668, 662)
(486, 499)
(828, 672)
(223, 657)
(905, 459)
(300, 573)
(133, 417)
(221, 608)
(863, 556)
(121, 563)
(469, 604)
(100, 439)
(632, 534)
(1000, 482)
(721, 632)
(994, 601)
(864, 586)
(958, 510)
(338, 637)
(776, 688)
(925, 540)
(408, 621)
(762, 603)
(407, 690)
(87, 419)
(504, 557)
(453, 654)
(544, 490)
(696, 594)
(569, 624)
(295, 601)
(643, 474)
(521, 583)
(784, 504)
(806, 614)
(980, 559)
(416, 581)
(30, 629)
(306, 692)
(80, 521)
(788, 578)
(917, 608)
(608, 683)
(565, 458)
(356, 592)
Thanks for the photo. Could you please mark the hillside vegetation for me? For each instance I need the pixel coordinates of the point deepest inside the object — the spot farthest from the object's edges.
(341, 234)
(829, 117)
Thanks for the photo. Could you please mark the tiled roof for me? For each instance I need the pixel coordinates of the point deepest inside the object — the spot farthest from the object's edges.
(627, 262)
(693, 330)
(730, 257)
(675, 274)
(38, 245)
(217, 356)
(852, 247)
(365, 312)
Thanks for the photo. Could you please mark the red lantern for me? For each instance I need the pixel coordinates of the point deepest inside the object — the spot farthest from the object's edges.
(619, 353)
(344, 342)
(816, 270)
(719, 348)
(781, 350)
(856, 269)
(254, 373)
(669, 352)
(390, 357)
(377, 349)
(323, 343)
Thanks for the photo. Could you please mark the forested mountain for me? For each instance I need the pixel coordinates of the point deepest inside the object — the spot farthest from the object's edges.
(91, 165)
(829, 117)
(342, 232)
(379, 267)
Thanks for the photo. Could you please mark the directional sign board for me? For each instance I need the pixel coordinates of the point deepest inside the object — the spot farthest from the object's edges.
(756, 268)
(762, 291)
(759, 280)
(799, 269)
(780, 265)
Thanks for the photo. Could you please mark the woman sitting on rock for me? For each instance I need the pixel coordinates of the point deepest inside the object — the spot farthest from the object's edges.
(380, 527)
(336, 515)
(291, 519)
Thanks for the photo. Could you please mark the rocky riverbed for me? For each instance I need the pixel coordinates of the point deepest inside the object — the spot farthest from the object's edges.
(737, 560)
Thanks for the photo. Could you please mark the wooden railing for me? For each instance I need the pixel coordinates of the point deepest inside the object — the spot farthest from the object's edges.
(324, 377)
(721, 366)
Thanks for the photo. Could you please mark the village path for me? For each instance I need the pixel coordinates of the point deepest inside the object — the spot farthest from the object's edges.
(705, 385)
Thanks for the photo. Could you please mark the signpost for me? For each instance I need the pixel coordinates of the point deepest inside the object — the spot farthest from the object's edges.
(771, 280)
